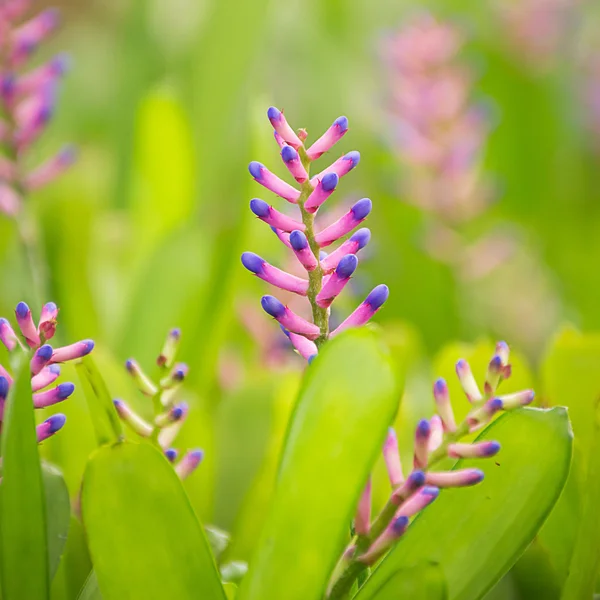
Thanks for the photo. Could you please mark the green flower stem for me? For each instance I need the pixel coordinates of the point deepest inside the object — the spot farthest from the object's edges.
(315, 277)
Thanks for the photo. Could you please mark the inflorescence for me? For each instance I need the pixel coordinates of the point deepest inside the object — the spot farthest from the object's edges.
(27, 102)
(327, 274)
(169, 414)
(43, 363)
(436, 439)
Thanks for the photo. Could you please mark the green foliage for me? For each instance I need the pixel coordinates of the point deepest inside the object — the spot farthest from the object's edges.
(128, 513)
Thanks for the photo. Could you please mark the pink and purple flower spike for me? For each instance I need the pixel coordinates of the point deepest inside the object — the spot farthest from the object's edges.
(28, 98)
(32, 337)
(327, 274)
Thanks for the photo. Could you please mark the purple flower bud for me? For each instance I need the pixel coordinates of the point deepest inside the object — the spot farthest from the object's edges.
(373, 302)
(512, 401)
(45, 377)
(460, 478)
(73, 351)
(356, 242)
(40, 358)
(188, 464)
(337, 281)
(169, 350)
(132, 419)
(294, 164)
(272, 306)
(50, 426)
(418, 501)
(4, 385)
(289, 319)
(356, 215)
(267, 179)
(421, 451)
(391, 457)
(399, 525)
(281, 126)
(58, 394)
(347, 266)
(281, 279)
(142, 381)
(305, 347)
(171, 454)
(26, 325)
(273, 217)
(301, 249)
(467, 381)
(340, 167)
(7, 335)
(362, 520)
(323, 189)
(475, 450)
(329, 138)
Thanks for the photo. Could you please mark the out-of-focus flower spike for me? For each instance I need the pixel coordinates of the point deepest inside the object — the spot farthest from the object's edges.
(40, 358)
(8, 170)
(363, 313)
(362, 520)
(263, 270)
(345, 224)
(73, 351)
(267, 179)
(143, 382)
(391, 456)
(480, 416)
(188, 464)
(302, 250)
(290, 320)
(26, 325)
(52, 168)
(337, 281)
(512, 401)
(45, 377)
(10, 202)
(166, 358)
(282, 127)
(422, 498)
(273, 217)
(422, 437)
(4, 373)
(12, 11)
(384, 542)
(340, 167)
(28, 36)
(460, 478)
(324, 187)
(61, 392)
(33, 115)
(171, 454)
(294, 164)
(47, 323)
(132, 419)
(283, 236)
(4, 388)
(175, 413)
(476, 450)
(175, 377)
(280, 141)
(7, 335)
(332, 136)
(437, 433)
(467, 381)
(413, 482)
(50, 426)
(352, 245)
(46, 74)
(305, 347)
(444, 407)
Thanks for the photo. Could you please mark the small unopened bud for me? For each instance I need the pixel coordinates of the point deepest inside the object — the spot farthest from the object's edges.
(143, 382)
(166, 358)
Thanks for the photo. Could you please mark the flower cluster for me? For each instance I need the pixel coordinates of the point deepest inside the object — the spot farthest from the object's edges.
(43, 363)
(327, 274)
(435, 439)
(27, 102)
(439, 132)
(169, 414)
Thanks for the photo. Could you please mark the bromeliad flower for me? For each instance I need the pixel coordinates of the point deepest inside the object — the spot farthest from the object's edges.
(169, 413)
(27, 102)
(44, 359)
(326, 274)
(436, 439)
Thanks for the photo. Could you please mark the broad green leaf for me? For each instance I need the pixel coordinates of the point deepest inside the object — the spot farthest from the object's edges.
(102, 410)
(90, 590)
(230, 590)
(134, 505)
(421, 582)
(23, 535)
(336, 430)
(476, 534)
(585, 562)
(58, 515)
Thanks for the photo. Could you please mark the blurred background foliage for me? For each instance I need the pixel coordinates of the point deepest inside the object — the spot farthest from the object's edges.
(167, 102)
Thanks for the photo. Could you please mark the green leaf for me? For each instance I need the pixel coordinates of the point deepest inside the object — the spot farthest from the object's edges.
(90, 590)
(476, 534)
(422, 582)
(585, 562)
(230, 590)
(102, 410)
(144, 538)
(345, 404)
(58, 515)
(23, 536)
